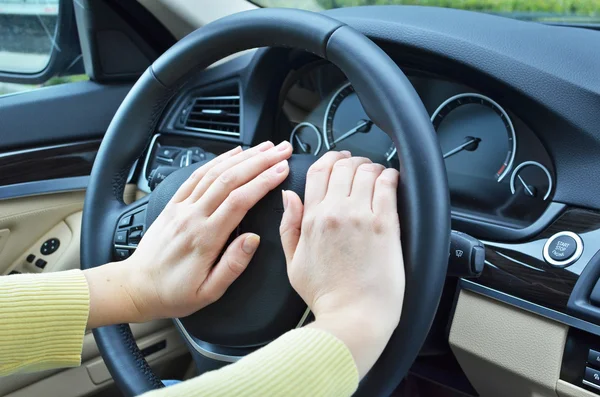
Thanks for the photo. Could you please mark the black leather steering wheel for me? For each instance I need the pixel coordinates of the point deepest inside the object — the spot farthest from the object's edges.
(390, 101)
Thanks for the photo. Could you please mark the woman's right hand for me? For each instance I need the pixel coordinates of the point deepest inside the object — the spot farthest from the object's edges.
(343, 251)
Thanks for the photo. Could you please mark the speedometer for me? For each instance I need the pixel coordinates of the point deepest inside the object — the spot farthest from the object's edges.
(476, 135)
(346, 126)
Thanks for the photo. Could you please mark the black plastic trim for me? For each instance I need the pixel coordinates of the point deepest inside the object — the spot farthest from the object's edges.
(44, 187)
(483, 229)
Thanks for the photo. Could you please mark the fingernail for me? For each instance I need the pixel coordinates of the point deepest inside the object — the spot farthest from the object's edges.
(281, 167)
(282, 146)
(346, 153)
(284, 199)
(264, 146)
(251, 244)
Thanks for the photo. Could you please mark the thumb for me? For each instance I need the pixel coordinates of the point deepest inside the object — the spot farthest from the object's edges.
(232, 264)
(290, 223)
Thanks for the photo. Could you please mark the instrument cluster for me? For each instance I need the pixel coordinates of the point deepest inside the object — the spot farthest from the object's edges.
(497, 167)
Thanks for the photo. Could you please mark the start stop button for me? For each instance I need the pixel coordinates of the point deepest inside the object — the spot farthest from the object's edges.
(563, 249)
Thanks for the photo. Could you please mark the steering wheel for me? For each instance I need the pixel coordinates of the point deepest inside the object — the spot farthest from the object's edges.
(261, 305)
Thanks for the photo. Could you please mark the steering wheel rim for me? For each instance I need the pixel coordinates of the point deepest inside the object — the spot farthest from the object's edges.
(390, 101)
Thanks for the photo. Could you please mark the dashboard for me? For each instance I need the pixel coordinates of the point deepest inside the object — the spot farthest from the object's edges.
(497, 167)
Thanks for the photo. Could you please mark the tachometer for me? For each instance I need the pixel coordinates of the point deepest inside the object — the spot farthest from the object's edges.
(476, 135)
(346, 126)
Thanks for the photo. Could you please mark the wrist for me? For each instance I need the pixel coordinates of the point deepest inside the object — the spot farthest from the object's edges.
(111, 298)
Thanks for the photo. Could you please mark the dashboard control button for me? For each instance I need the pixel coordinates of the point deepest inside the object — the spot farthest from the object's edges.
(594, 358)
(467, 256)
(50, 246)
(30, 258)
(563, 249)
(121, 237)
(135, 236)
(592, 378)
(168, 152)
(122, 253)
(125, 221)
(41, 263)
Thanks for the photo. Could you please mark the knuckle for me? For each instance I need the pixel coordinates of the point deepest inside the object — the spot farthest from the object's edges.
(228, 178)
(343, 163)
(330, 221)
(380, 225)
(212, 175)
(211, 296)
(370, 167)
(237, 199)
(389, 177)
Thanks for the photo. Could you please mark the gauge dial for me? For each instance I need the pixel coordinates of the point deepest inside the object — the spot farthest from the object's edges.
(532, 179)
(476, 136)
(346, 126)
(306, 139)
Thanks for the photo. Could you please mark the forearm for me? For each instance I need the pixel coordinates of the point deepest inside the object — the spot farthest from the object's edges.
(364, 332)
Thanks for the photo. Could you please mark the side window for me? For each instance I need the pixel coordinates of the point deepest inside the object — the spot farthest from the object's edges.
(30, 45)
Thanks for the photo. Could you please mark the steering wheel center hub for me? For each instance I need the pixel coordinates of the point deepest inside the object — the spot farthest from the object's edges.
(260, 305)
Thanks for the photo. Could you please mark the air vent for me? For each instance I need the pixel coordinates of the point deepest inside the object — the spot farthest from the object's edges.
(213, 115)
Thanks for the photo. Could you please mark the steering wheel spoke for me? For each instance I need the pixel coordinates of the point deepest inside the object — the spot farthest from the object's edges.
(130, 228)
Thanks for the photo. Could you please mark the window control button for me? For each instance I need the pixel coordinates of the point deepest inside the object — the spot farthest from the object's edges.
(594, 358)
(30, 258)
(41, 263)
(122, 254)
(121, 237)
(592, 378)
(125, 221)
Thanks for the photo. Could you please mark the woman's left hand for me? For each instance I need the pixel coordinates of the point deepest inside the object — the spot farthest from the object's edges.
(173, 271)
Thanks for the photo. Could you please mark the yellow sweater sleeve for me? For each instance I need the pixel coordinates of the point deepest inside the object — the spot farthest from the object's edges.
(42, 321)
(302, 362)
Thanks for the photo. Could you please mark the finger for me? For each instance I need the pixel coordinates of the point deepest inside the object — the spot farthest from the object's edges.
(241, 174)
(363, 185)
(238, 203)
(234, 261)
(289, 230)
(188, 186)
(342, 176)
(218, 169)
(385, 195)
(317, 177)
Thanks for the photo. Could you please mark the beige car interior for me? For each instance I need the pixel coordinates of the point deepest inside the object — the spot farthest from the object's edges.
(25, 224)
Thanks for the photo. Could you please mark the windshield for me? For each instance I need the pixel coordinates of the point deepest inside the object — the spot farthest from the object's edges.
(567, 11)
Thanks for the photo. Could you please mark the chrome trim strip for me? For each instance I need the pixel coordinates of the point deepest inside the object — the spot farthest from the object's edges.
(50, 147)
(127, 247)
(530, 307)
(209, 131)
(218, 356)
(590, 384)
(142, 180)
(212, 98)
(567, 262)
(36, 188)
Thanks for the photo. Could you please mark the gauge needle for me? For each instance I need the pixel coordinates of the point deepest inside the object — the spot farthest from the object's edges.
(525, 186)
(461, 147)
(363, 124)
(302, 144)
